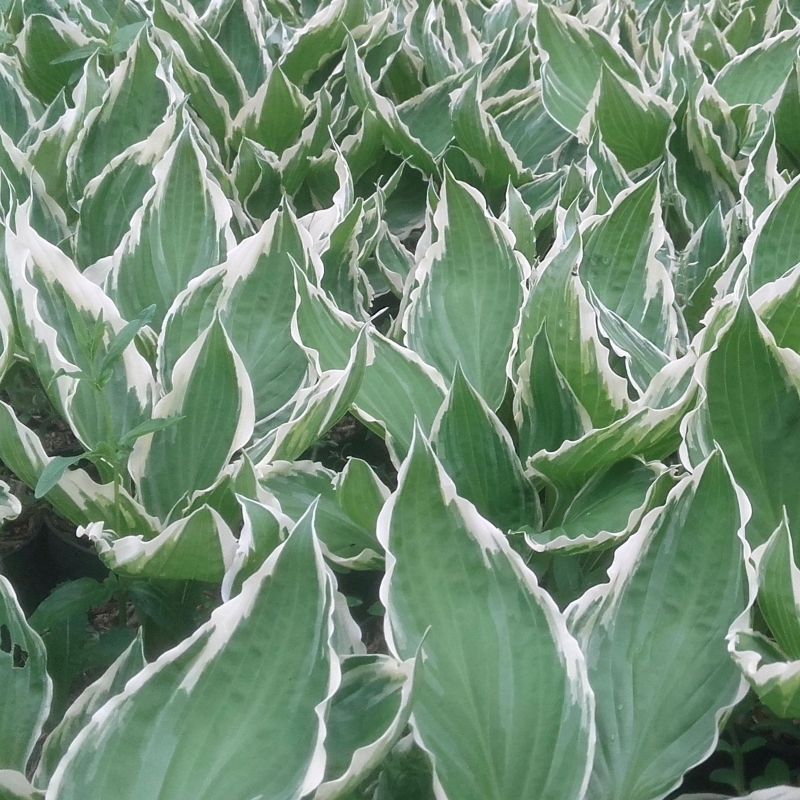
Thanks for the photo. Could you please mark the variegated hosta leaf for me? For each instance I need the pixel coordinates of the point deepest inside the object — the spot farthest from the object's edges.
(620, 264)
(367, 715)
(256, 282)
(43, 40)
(161, 737)
(773, 793)
(398, 387)
(762, 185)
(79, 714)
(771, 250)
(633, 124)
(112, 198)
(347, 539)
(315, 410)
(69, 327)
(75, 496)
(774, 678)
(478, 454)
(546, 411)
(198, 547)
(758, 75)
(322, 37)
(274, 116)
(181, 229)
(202, 53)
(558, 305)
(263, 530)
(10, 506)
(655, 637)
(467, 295)
(515, 719)
(650, 431)
(211, 402)
(478, 134)
(606, 510)
(779, 589)
(15, 786)
(396, 133)
(6, 327)
(751, 409)
(138, 96)
(25, 687)
(573, 58)
(18, 109)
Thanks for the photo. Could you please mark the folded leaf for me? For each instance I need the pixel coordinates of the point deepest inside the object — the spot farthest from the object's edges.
(478, 454)
(161, 737)
(25, 687)
(180, 230)
(212, 403)
(655, 637)
(516, 717)
(470, 263)
(368, 713)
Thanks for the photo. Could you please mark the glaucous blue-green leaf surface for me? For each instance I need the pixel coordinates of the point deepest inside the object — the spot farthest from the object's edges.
(751, 409)
(25, 687)
(655, 637)
(503, 704)
(194, 725)
(467, 295)
(212, 404)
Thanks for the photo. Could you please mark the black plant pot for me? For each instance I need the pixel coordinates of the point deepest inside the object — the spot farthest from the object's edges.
(71, 556)
(30, 570)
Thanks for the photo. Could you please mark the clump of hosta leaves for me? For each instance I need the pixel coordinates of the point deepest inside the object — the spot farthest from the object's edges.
(431, 377)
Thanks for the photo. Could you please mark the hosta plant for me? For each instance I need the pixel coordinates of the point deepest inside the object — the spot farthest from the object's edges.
(435, 365)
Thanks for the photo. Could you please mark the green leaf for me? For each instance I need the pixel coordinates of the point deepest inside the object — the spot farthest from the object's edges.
(546, 411)
(633, 124)
(558, 303)
(181, 229)
(255, 281)
(655, 637)
(68, 324)
(650, 431)
(361, 493)
(322, 37)
(775, 680)
(772, 247)
(212, 394)
(14, 786)
(78, 715)
(153, 739)
(621, 266)
(752, 411)
(52, 473)
(347, 541)
(368, 713)
(316, 410)
(398, 387)
(42, 44)
(274, 117)
(478, 454)
(25, 688)
(202, 53)
(515, 721)
(76, 496)
(606, 509)
(134, 105)
(467, 295)
(573, 58)
(199, 546)
(779, 589)
(759, 74)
